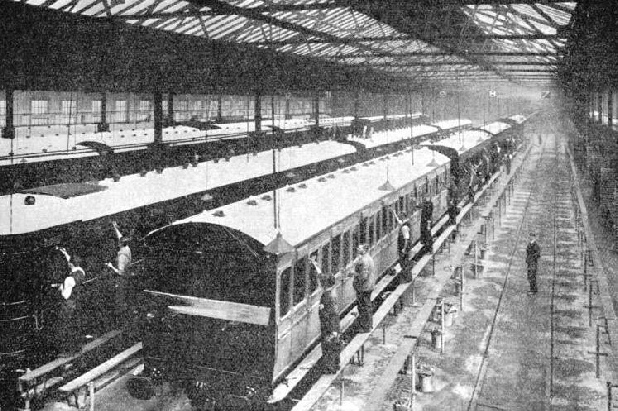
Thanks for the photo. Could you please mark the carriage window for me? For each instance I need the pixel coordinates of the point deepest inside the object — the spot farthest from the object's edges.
(326, 259)
(379, 227)
(313, 273)
(356, 239)
(300, 280)
(362, 237)
(402, 207)
(385, 219)
(346, 248)
(335, 245)
(284, 292)
(372, 227)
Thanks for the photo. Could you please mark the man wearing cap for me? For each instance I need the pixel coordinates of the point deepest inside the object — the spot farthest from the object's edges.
(329, 322)
(533, 253)
(403, 240)
(364, 281)
(67, 327)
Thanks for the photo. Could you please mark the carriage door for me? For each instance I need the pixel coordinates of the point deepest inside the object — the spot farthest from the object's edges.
(315, 293)
(300, 305)
(284, 326)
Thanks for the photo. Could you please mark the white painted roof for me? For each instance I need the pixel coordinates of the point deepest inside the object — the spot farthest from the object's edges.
(449, 124)
(496, 127)
(307, 211)
(134, 191)
(464, 138)
(519, 118)
(385, 137)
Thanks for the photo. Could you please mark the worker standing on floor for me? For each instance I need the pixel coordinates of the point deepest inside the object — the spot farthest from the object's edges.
(533, 253)
(364, 281)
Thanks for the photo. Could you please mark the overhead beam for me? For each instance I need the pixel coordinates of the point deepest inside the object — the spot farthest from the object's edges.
(357, 40)
(443, 54)
(453, 63)
(336, 4)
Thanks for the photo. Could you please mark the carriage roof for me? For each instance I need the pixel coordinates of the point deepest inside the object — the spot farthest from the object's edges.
(391, 136)
(320, 203)
(454, 123)
(518, 118)
(467, 139)
(133, 191)
(496, 127)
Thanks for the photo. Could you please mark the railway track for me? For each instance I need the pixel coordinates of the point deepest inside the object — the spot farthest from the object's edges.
(89, 379)
(414, 320)
(563, 360)
(550, 365)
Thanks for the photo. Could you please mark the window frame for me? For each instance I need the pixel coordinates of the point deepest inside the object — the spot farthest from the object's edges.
(287, 269)
(305, 260)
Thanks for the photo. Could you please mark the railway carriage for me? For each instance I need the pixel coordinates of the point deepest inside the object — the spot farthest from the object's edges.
(224, 310)
(80, 222)
(77, 216)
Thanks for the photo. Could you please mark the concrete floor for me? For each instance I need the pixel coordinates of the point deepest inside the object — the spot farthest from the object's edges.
(501, 352)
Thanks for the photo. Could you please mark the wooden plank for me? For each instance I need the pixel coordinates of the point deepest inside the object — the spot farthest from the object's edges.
(600, 273)
(222, 310)
(397, 361)
(101, 369)
(291, 381)
(59, 362)
(348, 352)
(318, 389)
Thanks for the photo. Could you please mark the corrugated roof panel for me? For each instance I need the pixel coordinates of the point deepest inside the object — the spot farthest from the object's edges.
(94, 10)
(164, 5)
(527, 10)
(80, 6)
(59, 4)
(138, 7)
(560, 17)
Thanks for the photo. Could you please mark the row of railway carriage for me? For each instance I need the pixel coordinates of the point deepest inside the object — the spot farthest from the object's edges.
(225, 310)
(79, 221)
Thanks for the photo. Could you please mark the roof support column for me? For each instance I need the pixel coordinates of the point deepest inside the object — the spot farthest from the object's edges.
(170, 108)
(600, 108)
(103, 125)
(288, 116)
(219, 108)
(591, 108)
(385, 107)
(257, 111)
(158, 117)
(8, 131)
(316, 107)
(610, 108)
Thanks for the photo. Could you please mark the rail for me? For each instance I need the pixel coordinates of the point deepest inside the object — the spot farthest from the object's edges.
(399, 359)
(357, 344)
(36, 382)
(598, 270)
(100, 376)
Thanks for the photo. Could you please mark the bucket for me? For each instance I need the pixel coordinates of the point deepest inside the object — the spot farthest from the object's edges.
(425, 380)
(402, 405)
(436, 339)
(450, 316)
(482, 252)
(454, 235)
